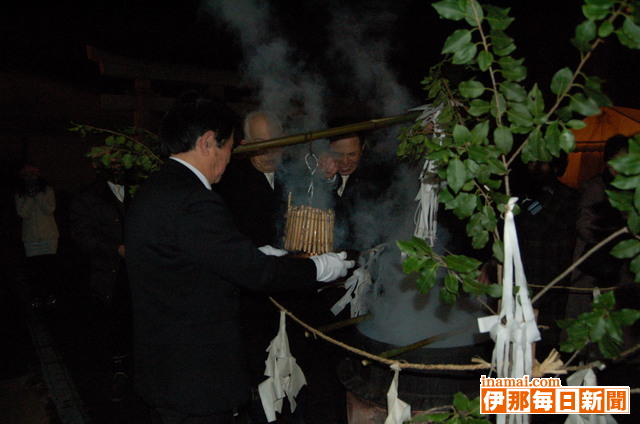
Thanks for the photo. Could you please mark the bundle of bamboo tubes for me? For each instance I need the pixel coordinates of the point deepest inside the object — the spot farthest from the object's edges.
(308, 229)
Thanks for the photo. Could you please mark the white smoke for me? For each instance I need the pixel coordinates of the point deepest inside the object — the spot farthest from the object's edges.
(361, 44)
(286, 88)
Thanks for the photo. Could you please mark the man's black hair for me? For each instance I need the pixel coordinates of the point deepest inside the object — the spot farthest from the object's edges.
(192, 115)
(614, 145)
(339, 122)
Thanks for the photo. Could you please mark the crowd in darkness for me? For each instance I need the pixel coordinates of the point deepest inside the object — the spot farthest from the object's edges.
(185, 268)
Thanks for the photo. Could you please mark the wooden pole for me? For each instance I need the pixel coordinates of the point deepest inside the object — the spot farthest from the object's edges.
(345, 129)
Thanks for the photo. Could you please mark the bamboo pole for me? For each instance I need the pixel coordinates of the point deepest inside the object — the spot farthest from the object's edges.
(340, 324)
(417, 345)
(330, 132)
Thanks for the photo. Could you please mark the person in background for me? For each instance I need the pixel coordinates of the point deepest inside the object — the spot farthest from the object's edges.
(35, 204)
(96, 218)
(354, 184)
(252, 190)
(251, 186)
(597, 219)
(187, 260)
(547, 236)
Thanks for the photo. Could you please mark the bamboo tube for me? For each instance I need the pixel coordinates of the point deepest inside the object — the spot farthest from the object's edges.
(340, 324)
(287, 228)
(298, 233)
(417, 345)
(306, 137)
(332, 229)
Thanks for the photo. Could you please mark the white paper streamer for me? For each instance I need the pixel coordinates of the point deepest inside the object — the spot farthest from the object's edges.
(398, 410)
(427, 211)
(515, 328)
(587, 378)
(357, 285)
(285, 376)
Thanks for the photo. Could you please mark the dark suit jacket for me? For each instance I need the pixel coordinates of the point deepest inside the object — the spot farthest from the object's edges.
(256, 208)
(363, 190)
(96, 221)
(186, 260)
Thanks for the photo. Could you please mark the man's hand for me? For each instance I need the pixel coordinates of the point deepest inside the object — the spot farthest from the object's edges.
(328, 165)
(121, 250)
(331, 266)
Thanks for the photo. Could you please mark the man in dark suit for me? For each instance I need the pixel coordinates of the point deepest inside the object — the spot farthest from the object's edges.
(186, 261)
(96, 217)
(251, 186)
(355, 185)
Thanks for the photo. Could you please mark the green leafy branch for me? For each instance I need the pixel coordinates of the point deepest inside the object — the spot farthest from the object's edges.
(463, 411)
(129, 153)
(462, 271)
(602, 326)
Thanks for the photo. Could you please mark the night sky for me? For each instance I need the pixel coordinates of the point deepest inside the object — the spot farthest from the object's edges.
(50, 38)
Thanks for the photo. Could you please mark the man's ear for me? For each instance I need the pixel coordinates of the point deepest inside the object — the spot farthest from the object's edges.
(205, 141)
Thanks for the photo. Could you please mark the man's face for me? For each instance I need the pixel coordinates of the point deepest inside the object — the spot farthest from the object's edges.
(347, 153)
(266, 160)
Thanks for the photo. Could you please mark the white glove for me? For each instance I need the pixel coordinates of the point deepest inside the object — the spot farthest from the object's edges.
(330, 266)
(272, 251)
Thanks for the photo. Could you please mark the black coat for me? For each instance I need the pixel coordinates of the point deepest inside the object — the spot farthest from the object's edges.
(96, 226)
(186, 261)
(256, 208)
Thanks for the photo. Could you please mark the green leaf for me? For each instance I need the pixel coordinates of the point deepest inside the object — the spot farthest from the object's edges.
(479, 133)
(584, 106)
(461, 402)
(480, 239)
(485, 60)
(430, 418)
(605, 29)
(498, 106)
(110, 141)
(461, 263)
(447, 297)
(535, 102)
(626, 317)
(576, 124)
(471, 89)
(465, 54)
(498, 18)
(503, 45)
(512, 69)
(567, 141)
(519, 115)
(560, 80)
(456, 175)
(628, 164)
(495, 291)
(461, 135)
(598, 330)
(464, 206)
(451, 283)
(449, 9)
(633, 221)
(626, 183)
(127, 161)
(594, 12)
(474, 13)
(478, 107)
(585, 33)
(460, 39)
(513, 92)
(632, 31)
(412, 264)
(621, 200)
(503, 138)
(626, 249)
(427, 277)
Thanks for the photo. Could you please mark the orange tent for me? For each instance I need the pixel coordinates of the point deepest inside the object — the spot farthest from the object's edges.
(586, 161)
